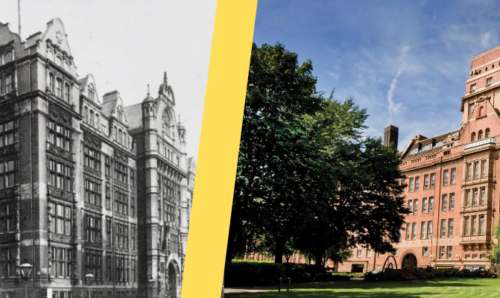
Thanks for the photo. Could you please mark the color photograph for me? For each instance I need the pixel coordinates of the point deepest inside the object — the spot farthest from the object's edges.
(368, 159)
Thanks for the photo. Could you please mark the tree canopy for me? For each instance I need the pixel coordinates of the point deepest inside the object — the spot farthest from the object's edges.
(304, 170)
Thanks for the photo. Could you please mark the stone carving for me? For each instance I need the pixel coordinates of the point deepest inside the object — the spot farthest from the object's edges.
(60, 194)
(92, 141)
(60, 238)
(59, 114)
(60, 152)
(7, 150)
(121, 155)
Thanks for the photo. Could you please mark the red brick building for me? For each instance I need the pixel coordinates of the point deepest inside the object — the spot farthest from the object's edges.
(451, 185)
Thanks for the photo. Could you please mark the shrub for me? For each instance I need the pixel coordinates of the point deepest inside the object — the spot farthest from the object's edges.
(252, 273)
(427, 273)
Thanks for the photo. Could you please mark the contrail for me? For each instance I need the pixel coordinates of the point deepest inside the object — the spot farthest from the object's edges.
(392, 108)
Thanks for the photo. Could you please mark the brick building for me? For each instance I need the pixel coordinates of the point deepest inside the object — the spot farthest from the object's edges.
(87, 185)
(451, 185)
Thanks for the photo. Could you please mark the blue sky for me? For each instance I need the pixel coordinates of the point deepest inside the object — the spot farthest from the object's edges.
(406, 62)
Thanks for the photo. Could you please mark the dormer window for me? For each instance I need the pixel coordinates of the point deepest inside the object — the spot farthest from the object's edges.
(119, 114)
(91, 94)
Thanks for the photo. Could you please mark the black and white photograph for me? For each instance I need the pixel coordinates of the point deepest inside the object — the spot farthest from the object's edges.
(101, 105)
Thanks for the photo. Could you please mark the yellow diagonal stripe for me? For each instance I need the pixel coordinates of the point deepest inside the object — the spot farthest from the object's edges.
(219, 144)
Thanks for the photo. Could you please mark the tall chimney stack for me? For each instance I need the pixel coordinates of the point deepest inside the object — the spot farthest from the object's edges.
(391, 134)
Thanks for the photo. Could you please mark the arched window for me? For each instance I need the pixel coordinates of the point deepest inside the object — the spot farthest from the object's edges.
(91, 118)
(473, 137)
(433, 143)
(480, 135)
(59, 88)
(97, 121)
(86, 114)
(481, 111)
(487, 133)
(119, 136)
(51, 83)
(66, 92)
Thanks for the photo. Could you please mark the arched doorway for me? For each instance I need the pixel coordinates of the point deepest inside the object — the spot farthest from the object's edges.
(409, 261)
(173, 286)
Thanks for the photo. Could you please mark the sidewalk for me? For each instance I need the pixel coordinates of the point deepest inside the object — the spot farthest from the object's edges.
(283, 288)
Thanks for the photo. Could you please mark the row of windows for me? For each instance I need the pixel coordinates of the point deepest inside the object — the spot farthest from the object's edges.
(121, 203)
(89, 117)
(92, 158)
(60, 176)
(471, 225)
(121, 172)
(472, 197)
(59, 136)
(474, 171)
(169, 154)
(6, 84)
(93, 264)
(8, 177)
(59, 88)
(488, 81)
(425, 230)
(169, 189)
(93, 192)
(58, 59)
(445, 252)
(8, 262)
(122, 137)
(480, 135)
(61, 259)
(449, 177)
(60, 218)
(93, 227)
(7, 134)
(8, 214)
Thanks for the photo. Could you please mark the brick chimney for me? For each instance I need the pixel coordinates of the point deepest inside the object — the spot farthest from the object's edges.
(391, 133)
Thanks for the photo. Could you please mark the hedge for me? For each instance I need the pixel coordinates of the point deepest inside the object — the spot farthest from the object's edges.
(425, 273)
(252, 273)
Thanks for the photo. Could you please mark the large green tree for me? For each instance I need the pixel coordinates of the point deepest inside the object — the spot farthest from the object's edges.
(304, 170)
(268, 192)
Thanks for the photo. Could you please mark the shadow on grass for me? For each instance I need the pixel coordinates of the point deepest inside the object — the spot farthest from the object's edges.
(403, 289)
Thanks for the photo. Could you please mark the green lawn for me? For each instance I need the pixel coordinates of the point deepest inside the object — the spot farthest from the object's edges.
(446, 287)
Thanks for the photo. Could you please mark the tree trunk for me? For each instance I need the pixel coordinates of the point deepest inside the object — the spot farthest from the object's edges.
(233, 231)
(280, 248)
(318, 257)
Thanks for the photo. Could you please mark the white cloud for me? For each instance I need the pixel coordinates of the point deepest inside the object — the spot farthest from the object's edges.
(393, 108)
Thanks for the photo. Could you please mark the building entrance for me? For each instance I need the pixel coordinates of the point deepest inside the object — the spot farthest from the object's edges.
(409, 261)
(172, 281)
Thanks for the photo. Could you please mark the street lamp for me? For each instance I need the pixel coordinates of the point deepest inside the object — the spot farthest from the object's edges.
(89, 278)
(25, 272)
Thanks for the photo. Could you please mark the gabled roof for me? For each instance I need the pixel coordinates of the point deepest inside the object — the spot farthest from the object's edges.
(420, 143)
(134, 116)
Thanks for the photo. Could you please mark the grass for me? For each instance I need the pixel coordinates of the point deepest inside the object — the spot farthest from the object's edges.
(448, 287)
